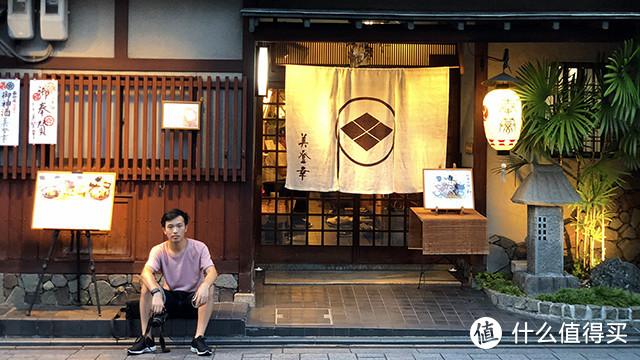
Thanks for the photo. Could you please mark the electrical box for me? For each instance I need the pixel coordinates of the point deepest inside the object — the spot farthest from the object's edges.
(20, 19)
(53, 20)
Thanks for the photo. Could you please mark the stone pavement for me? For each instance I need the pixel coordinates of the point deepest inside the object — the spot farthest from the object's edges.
(341, 352)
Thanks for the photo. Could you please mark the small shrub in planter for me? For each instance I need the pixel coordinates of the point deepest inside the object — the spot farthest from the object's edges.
(599, 295)
(498, 283)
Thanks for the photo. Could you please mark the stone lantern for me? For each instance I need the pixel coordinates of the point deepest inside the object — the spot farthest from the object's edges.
(544, 192)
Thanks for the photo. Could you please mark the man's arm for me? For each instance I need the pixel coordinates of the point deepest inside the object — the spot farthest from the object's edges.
(202, 294)
(149, 280)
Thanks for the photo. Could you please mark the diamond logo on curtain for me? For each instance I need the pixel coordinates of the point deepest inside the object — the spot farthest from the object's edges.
(366, 131)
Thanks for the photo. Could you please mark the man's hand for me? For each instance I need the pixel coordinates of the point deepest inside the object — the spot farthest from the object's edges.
(202, 295)
(157, 304)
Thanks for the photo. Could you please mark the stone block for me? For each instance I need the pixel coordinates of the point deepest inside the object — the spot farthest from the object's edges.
(506, 300)
(519, 303)
(492, 295)
(10, 281)
(117, 280)
(245, 298)
(518, 278)
(530, 285)
(596, 312)
(48, 286)
(559, 282)
(518, 266)
(533, 305)
(226, 281)
(624, 314)
(572, 281)
(556, 309)
(16, 297)
(84, 297)
(610, 313)
(136, 283)
(545, 307)
(85, 280)
(62, 296)
(105, 292)
(59, 280)
(568, 311)
(635, 312)
(636, 324)
(73, 286)
(49, 298)
(545, 285)
(580, 312)
(29, 282)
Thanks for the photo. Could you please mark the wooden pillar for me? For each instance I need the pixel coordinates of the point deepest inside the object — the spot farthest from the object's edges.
(479, 139)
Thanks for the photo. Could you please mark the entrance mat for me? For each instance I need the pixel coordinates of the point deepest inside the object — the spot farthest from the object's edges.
(303, 316)
(358, 277)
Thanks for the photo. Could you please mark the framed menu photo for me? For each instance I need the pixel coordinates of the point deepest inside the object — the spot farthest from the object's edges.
(181, 115)
(448, 189)
(66, 200)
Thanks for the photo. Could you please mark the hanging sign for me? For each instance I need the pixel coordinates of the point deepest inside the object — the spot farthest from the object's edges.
(9, 112)
(43, 111)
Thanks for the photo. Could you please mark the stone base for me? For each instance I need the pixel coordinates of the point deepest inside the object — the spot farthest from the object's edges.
(245, 298)
(534, 285)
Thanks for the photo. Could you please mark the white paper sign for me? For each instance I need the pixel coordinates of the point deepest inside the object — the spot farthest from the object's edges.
(9, 112)
(43, 112)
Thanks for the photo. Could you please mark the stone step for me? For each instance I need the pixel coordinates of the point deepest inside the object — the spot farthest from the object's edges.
(518, 265)
(228, 319)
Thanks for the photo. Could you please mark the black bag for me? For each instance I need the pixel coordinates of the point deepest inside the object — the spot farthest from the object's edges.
(132, 309)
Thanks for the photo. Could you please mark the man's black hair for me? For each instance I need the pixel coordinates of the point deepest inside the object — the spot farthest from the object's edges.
(172, 214)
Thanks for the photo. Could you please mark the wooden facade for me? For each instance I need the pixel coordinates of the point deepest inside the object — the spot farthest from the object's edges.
(110, 123)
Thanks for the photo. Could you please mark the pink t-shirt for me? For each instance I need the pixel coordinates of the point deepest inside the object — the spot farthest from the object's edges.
(184, 272)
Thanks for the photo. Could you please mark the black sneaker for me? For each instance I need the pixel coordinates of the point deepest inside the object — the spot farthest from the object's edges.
(200, 347)
(142, 345)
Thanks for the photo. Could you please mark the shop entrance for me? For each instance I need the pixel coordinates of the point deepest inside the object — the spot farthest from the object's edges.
(334, 227)
(324, 227)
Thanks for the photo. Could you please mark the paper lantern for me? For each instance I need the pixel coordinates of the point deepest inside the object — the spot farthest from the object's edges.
(502, 115)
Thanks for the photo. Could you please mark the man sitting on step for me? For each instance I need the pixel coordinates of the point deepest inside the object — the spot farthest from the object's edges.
(188, 291)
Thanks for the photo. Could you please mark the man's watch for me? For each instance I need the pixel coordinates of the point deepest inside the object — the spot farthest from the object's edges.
(155, 291)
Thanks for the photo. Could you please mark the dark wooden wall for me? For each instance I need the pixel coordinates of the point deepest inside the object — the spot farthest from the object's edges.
(203, 172)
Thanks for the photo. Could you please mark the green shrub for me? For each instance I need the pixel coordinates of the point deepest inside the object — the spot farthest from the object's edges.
(498, 283)
(598, 295)
(579, 270)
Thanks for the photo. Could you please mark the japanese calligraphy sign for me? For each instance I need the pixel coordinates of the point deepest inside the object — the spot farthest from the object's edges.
(9, 112)
(43, 112)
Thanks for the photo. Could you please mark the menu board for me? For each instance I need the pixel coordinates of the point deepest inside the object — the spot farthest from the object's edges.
(73, 200)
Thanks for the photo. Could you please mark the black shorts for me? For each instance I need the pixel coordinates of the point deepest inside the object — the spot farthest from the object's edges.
(178, 304)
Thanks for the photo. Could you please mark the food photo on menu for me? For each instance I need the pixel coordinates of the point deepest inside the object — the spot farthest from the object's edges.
(79, 187)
